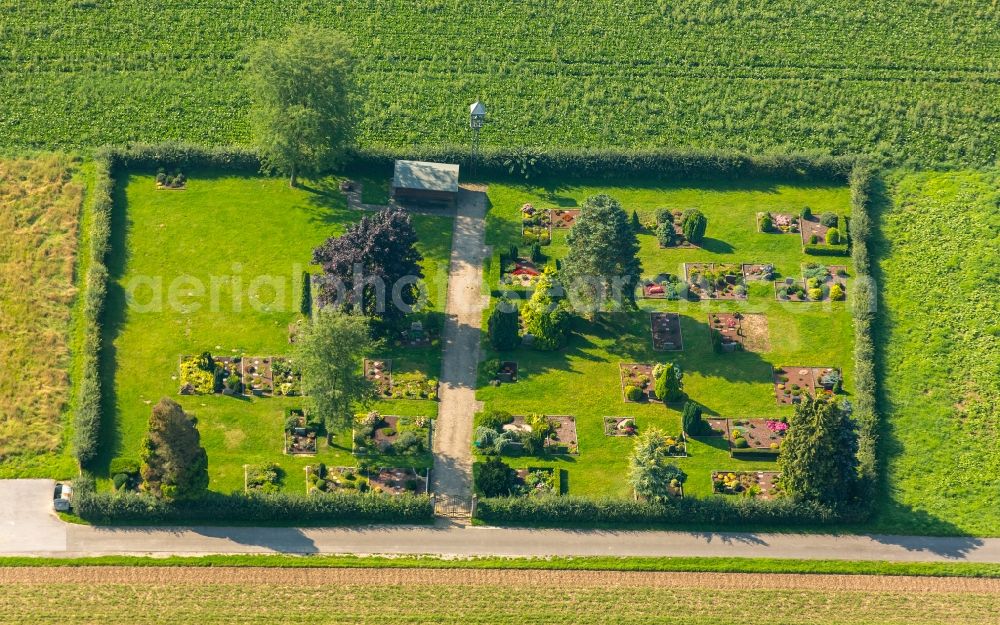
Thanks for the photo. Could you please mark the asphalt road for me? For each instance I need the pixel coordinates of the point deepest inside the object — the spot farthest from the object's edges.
(28, 527)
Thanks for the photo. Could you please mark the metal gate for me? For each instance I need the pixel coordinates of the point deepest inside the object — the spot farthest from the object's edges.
(454, 507)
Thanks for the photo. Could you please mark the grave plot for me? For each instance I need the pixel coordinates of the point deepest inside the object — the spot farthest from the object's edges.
(739, 331)
(258, 375)
(507, 372)
(328, 479)
(676, 446)
(390, 435)
(620, 426)
(173, 180)
(666, 330)
(536, 226)
(538, 481)
(563, 218)
(286, 377)
(815, 229)
(397, 481)
(825, 282)
(300, 434)
(758, 272)
(778, 223)
(206, 374)
(758, 484)
(558, 434)
(722, 281)
(379, 373)
(418, 336)
(680, 240)
(637, 382)
(756, 436)
(790, 290)
(663, 286)
(525, 274)
(792, 383)
(718, 426)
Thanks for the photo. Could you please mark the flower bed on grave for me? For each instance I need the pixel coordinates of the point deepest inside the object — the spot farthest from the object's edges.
(665, 328)
(537, 482)
(536, 226)
(677, 222)
(757, 436)
(816, 235)
(258, 376)
(300, 433)
(557, 432)
(522, 273)
(507, 372)
(639, 376)
(389, 435)
(419, 335)
(286, 377)
(825, 282)
(721, 281)
(563, 218)
(791, 384)
(206, 374)
(758, 484)
(758, 272)
(397, 481)
(662, 286)
(408, 385)
(324, 479)
(620, 426)
(778, 223)
(174, 180)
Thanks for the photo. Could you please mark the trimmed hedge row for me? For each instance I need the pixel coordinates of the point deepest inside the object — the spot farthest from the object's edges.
(714, 512)
(178, 155)
(602, 162)
(864, 308)
(87, 423)
(105, 508)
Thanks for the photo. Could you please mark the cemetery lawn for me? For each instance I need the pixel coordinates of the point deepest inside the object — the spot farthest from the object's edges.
(583, 378)
(225, 225)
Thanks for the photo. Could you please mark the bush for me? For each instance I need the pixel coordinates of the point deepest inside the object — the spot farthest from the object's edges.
(633, 393)
(694, 224)
(494, 419)
(664, 216)
(120, 481)
(815, 294)
(829, 220)
(409, 442)
(495, 478)
(693, 424)
(665, 234)
(536, 253)
(766, 222)
(490, 369)
(740, 443)
(832, 236)
(807, 213)
(127, 466)
(305, 298)
(503, 326)
(215, 508)
(837, 293)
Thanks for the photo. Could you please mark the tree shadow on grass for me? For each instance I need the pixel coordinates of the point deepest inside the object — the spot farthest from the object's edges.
(113, 317)
(716, 246)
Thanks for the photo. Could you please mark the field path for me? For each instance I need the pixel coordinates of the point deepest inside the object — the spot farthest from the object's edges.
(451, 478)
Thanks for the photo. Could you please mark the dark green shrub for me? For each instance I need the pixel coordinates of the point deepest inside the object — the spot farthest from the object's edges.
(665, 234)
(813, 239)
(490, 369)
(692, 422)
(664, 216)
(766, 222)
(503, 326)
(494, 419)
(829, 219)
(536, 253)
(494, 478)
(694, 224)
(636, 224)
(120, 480)
(833, 236)
(807, 213)
(127, 466)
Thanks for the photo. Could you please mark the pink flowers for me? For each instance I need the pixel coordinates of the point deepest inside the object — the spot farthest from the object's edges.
(777, 426)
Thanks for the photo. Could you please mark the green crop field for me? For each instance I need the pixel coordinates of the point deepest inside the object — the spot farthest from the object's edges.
(941, 337)
(583, 380)
(920, 81)
(235, 229)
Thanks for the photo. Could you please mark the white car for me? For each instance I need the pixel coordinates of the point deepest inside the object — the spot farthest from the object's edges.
(61, 498)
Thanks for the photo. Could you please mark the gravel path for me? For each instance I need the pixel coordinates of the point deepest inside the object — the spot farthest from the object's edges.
(451, 478)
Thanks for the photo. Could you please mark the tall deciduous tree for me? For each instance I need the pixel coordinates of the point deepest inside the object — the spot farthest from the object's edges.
(603, 261)
(650, 470)
(377, 262)
(819, 456)
(301, 106)
(174, 464)
(329, 351)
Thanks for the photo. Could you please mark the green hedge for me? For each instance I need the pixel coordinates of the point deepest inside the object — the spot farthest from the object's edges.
(825, 250)
(599, 162)
(105, 508)
(183, 156)
(87, 422)
(864, 308)
(713, 511)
